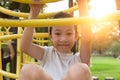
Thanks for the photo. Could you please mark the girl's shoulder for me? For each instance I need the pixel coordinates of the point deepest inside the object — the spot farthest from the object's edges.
(48, 49)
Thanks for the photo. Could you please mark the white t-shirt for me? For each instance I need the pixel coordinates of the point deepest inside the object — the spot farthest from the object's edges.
(56, 64)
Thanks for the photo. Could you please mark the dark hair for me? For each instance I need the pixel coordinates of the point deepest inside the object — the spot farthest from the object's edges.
(65, 15)
(2, 52)
(60, 15)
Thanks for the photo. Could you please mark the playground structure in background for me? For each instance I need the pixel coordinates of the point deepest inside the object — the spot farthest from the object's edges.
(39, 37)
(21, 57)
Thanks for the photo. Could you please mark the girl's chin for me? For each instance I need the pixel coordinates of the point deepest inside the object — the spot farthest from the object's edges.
(63, 50)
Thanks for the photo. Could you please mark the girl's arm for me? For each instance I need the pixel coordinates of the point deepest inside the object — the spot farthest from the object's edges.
(12, 52)
(86, 33)
(26, 41)
(85, 47)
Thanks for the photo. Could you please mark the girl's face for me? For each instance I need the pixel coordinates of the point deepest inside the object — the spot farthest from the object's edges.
(63, 38)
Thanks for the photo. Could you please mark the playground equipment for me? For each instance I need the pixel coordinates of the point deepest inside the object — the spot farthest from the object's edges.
(57, 22)
(42, 15)
(40, 2)
(53, 22)
(21, 58)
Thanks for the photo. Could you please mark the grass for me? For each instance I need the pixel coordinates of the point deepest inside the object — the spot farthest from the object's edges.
(105, 67)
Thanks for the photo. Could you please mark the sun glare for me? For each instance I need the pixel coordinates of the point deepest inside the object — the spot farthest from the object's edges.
(57, 6)
(100, 8)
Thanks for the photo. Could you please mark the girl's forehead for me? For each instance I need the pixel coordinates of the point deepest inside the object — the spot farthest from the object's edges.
(63, 28)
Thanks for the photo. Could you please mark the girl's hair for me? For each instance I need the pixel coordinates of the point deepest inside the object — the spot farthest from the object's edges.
(65, 15)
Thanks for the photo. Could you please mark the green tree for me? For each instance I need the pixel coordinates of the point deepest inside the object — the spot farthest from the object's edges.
(115, 49)
(102, 39)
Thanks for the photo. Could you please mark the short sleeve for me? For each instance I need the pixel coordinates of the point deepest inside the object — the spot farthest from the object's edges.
(48, 51)
(77, 57)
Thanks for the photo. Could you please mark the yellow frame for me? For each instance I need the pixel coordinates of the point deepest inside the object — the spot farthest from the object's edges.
(40, 2)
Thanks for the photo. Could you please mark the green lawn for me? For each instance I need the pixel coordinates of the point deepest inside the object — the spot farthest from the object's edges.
(105, 67)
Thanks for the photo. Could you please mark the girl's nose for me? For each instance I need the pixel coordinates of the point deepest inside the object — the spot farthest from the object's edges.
(63, 39)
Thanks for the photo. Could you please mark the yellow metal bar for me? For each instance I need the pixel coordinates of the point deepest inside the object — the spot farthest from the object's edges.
(16, 36)
(59, 22)
(41, 41)
(40, 1)
(7, 74)
(0, 62)
(19, 53)
(41, 15)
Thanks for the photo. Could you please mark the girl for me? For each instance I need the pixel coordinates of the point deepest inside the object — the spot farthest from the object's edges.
(58, 62)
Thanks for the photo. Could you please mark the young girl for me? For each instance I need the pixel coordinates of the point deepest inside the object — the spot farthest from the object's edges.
(57, 62)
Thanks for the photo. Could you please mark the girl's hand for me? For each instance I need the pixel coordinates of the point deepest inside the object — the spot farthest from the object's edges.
(9, 44)
(35, 9)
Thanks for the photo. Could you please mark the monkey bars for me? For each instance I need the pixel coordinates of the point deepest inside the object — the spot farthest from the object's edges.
(40, 2)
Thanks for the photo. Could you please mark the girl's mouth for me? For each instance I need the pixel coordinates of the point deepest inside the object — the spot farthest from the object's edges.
(63, 44)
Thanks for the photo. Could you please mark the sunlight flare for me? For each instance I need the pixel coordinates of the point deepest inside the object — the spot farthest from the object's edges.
(101, 8)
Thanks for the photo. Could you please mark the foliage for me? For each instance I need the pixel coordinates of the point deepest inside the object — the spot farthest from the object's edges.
(5, 3)
(24, 8)
(102, 38)
(115, 49)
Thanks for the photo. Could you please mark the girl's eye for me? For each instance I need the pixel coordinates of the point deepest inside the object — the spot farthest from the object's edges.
(57, 33)
(69, 33)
